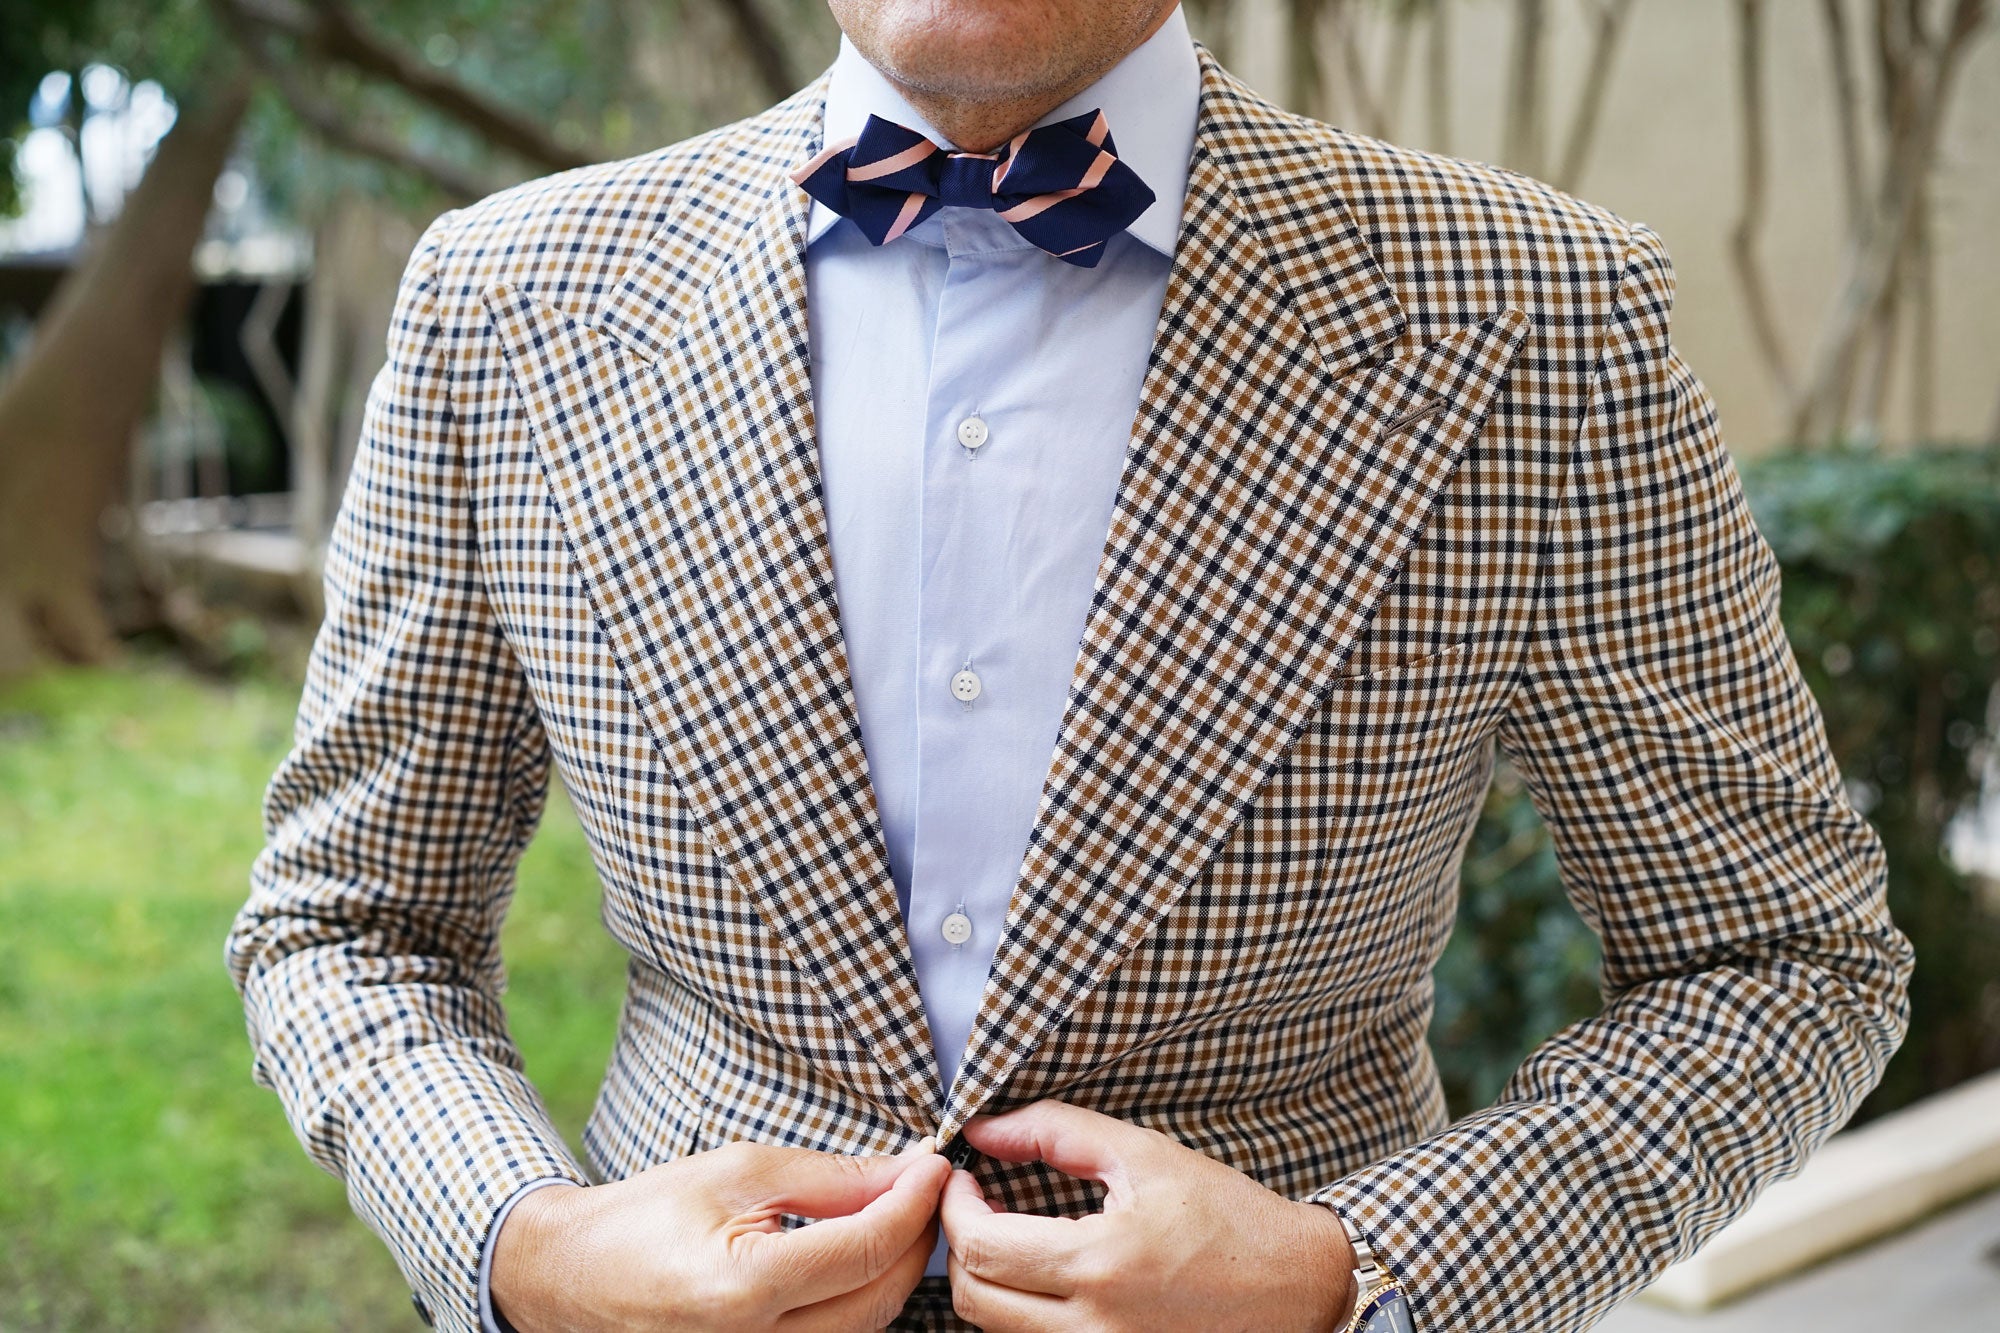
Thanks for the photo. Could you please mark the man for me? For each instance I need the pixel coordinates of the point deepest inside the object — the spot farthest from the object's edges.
(1026, 620)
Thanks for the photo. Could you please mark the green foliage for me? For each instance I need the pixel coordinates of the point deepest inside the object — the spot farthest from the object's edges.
(1520, 964)
(604, 76)
(145, 1182)
(172, 41)
(1892, 602)
(1892, 605)
(549, 59)
(562, 63)
(573, 66)
(251, 449)
(31, 37)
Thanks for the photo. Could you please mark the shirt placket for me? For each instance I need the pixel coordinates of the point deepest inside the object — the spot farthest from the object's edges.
(961, 876)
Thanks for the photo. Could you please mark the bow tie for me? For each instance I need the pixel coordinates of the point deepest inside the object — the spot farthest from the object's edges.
(1061, 185)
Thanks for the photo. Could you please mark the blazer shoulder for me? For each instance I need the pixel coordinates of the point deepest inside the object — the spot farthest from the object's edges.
(1387, 180)
(1453, 234)
(567, 237)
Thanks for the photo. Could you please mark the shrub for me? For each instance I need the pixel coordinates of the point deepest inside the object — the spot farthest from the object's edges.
(1892, 603)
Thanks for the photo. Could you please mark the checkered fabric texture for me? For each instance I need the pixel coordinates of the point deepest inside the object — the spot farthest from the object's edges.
(1416, 473)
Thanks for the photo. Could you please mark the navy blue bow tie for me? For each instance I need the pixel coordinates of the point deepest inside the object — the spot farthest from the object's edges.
(1061, 185)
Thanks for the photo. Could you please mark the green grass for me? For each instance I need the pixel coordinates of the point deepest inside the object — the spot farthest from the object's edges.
(145, 1181)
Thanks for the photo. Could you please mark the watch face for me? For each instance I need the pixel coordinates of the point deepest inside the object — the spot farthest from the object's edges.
(1387, 1312)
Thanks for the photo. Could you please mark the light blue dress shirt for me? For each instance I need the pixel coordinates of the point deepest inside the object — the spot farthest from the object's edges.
(974, 397)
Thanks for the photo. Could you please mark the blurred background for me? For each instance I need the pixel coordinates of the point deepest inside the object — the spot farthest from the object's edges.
(204, 207)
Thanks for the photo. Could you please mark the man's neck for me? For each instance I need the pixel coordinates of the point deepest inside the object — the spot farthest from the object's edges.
(982, 126)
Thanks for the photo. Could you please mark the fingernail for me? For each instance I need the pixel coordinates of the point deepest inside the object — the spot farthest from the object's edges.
(923, 1147)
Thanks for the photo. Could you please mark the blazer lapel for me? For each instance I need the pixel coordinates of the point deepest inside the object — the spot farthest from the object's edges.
(1278, 469)
(678, 440)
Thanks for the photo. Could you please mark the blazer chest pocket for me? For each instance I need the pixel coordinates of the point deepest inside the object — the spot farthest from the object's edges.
(1355, 815)
(1383, 754)
(1384, 748)
(1409, 713)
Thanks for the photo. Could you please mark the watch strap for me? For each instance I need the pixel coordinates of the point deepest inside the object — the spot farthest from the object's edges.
(1379, 1301)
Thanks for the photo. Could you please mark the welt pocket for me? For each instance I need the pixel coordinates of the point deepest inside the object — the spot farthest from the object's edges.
(1417, 715)
(1445, 662)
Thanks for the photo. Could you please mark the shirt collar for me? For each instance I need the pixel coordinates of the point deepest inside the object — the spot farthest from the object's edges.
(1149, 99)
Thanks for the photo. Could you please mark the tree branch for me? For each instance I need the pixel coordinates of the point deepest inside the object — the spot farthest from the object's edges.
(1861, 405)
(329, 29)
(764, 47)
(1611, 16)
(1437, 77)
(1923, 72)
(1743, 237)
(1308, 79)
(1367, 108)
(332, 123)
(1920, 276)
(1846, 105)
(1522, 143)
(1396, 85)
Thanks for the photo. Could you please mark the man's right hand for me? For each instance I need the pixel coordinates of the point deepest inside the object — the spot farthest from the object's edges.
(696, 1244)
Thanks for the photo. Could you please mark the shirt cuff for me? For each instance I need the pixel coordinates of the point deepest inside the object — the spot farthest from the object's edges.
(489, 1320)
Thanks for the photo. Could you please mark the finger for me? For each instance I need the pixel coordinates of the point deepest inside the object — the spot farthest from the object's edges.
(768, 1178)
(1073, 1139)
(1000, 1309)
(825, 1259)
(874, 1304)
(1023, 1251)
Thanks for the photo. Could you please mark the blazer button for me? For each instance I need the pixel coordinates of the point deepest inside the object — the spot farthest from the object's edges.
(423, 1312)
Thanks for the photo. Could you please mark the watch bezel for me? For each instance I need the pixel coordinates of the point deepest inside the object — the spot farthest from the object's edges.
(1376, 1302)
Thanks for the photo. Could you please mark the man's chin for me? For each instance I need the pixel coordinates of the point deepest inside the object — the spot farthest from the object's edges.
(966, 72)
(969, 50)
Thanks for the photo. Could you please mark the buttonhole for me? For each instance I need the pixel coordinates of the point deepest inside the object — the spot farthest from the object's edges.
(1410, 418)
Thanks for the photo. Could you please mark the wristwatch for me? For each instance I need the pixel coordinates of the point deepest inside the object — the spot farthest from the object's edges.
(1379, 1303)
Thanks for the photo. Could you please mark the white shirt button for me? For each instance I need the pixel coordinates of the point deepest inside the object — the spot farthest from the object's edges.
(972, 432)
(965, 686)
(956, 928)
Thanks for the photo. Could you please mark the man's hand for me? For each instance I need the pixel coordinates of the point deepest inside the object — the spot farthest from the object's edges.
(696, 1244)
(1184, 1242)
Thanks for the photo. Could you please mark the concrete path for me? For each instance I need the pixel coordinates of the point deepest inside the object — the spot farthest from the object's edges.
(1940, 1277)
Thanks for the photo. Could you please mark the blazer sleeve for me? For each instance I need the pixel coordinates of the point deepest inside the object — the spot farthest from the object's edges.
(368, 951)
(1754, 984)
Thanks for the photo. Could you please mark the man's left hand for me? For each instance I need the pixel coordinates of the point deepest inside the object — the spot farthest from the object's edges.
(1184, 1242)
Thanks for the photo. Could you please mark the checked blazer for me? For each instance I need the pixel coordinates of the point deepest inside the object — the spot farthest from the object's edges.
(1416, 479)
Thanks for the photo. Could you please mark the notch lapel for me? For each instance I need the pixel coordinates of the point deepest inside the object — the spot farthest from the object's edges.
(1277, 472)
(677, 436)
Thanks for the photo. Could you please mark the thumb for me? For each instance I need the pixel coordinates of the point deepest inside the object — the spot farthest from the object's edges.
(814, 1184)
(1073, 1139)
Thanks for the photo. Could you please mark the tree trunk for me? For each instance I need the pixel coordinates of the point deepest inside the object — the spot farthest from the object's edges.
(1522, 140)
(69, 411)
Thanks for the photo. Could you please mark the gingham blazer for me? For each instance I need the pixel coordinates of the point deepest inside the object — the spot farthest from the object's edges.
(1415, 473)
